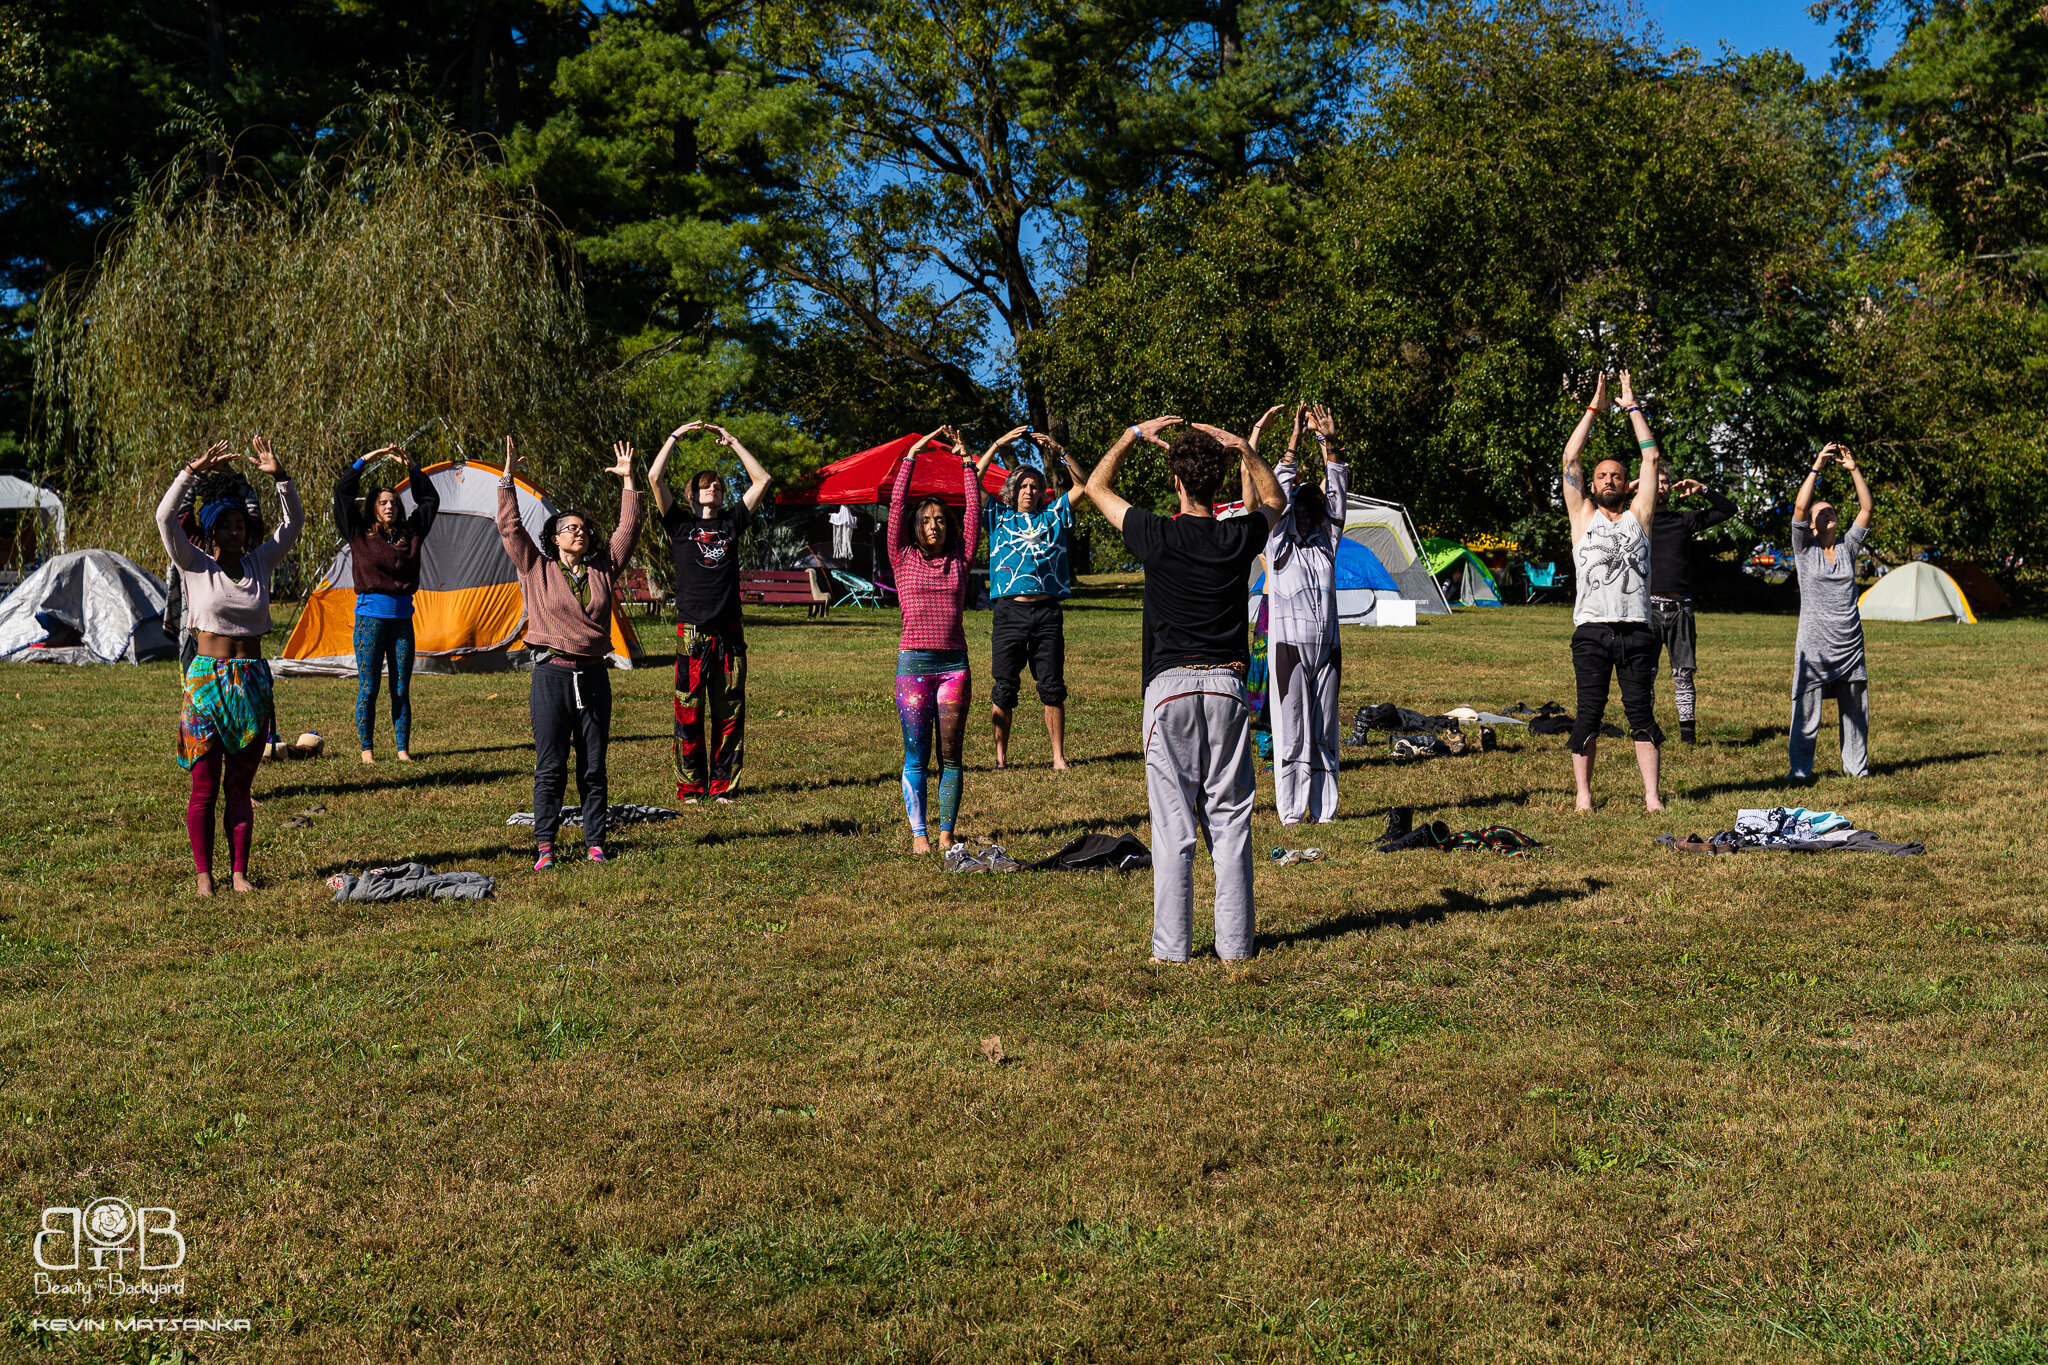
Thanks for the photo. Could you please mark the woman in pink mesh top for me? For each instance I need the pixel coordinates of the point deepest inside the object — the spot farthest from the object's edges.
(931, 553)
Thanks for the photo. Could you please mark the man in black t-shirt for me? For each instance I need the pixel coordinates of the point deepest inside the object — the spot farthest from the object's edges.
(711, 646)
(1671, 534)
(1197, 737)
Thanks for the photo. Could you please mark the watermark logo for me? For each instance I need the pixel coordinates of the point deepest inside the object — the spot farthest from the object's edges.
(110, 1235)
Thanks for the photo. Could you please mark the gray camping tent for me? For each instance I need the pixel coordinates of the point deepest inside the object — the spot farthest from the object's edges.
(112, 608)
(1385, 529)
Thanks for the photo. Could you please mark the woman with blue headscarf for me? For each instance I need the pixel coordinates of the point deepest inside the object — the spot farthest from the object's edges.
(226, 580)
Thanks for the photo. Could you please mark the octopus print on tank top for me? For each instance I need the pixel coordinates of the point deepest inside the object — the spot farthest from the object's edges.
(1612, 562)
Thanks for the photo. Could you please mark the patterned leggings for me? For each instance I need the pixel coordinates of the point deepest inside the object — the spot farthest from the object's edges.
(379, 640)
(928, 703)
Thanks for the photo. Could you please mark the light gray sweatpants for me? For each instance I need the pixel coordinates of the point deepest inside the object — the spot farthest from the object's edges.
(1304, 702)
(1199, 778)
(1852, 701)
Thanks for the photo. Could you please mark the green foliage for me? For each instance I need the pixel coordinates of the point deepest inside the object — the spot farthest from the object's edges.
(392, 286)
(1527, 199)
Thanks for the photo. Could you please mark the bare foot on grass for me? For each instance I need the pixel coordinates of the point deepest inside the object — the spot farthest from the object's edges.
(206, 883)
(404, 757)
(1059, 765)
(920, 844)
(369, 757)
(945, 841)
(242, 882)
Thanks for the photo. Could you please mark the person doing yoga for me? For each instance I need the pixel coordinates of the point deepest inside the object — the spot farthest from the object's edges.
(228, 711)
(384, 545)
(1671, 535)
(1196, 724)
(931, 556)
(711, 643)
(1304, 663)
(569, 582)
(1827, 657)
(1611, 617)
(1028, 575)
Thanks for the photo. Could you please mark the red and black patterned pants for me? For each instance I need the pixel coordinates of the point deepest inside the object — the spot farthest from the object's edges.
(711, 709)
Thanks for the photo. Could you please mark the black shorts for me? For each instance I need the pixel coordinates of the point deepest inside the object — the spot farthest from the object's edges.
(1671, 618)
(1628, 651)
(1033, 633)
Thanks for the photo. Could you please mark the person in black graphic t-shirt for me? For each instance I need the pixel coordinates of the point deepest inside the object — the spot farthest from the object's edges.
(711, 647)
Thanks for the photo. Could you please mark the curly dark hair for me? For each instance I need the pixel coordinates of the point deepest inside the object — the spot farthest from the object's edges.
(1200, 462)
(1014, 484)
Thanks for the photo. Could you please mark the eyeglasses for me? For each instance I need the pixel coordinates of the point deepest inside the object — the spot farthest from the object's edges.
(574, 529)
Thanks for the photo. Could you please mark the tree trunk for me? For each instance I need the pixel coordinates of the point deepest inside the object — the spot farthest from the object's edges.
(504, 79)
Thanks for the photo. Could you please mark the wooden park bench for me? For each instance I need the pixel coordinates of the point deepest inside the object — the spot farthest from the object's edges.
(779, 588)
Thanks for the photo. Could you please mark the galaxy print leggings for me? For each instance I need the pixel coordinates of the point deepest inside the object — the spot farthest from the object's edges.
(933, 690)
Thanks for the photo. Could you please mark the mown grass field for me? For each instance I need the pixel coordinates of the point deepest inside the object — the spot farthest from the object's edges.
(724, 1099)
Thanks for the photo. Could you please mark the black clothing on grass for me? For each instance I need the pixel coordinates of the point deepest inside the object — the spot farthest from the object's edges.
(571, 707)
(707, 561)
(1671, 534)
(1629, 652)
(1196, 572)
(1033, 633)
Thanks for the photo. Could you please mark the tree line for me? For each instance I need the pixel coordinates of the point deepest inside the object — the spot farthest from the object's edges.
(829, 222)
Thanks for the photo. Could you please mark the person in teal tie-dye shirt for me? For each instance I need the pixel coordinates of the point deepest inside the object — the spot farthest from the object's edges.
(1028, 576)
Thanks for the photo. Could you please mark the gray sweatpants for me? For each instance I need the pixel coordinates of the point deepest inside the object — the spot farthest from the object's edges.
(1304, 702)
(1198, 777)
(1852, 701)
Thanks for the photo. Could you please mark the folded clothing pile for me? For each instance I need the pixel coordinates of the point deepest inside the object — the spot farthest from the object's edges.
(1790, 829)
(627, 814)
(1427, 745)
(411, 879)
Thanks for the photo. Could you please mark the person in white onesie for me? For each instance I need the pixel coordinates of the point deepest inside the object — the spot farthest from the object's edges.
(1304, 658)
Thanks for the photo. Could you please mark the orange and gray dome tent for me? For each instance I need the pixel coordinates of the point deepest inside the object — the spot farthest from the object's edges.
(468, 614)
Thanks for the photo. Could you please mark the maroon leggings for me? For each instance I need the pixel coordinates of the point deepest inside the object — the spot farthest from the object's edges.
(241, 813)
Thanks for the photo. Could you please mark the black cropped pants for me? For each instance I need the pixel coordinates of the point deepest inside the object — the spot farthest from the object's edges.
(1626, 650)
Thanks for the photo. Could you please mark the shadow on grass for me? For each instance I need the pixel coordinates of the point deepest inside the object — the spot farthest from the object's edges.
(809, 828)
(1782, 782)
(1449, 902)
(411, 779)
(887, 779)
(1085, 825)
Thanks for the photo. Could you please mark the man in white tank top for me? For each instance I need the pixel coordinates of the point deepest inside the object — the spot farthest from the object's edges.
(1611, 617)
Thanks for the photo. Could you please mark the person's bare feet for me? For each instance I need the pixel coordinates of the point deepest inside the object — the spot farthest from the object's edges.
(404, 757)
(206, 883)
(1584, 804)
(945, 841)
(1652, 803)
(369, 757)
(1059, 763)
(242, 882)
(920, 844)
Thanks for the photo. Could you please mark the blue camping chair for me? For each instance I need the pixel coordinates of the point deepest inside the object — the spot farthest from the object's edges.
(1540, 580)
(859, 591)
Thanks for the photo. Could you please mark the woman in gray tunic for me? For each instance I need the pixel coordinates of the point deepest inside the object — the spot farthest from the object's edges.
(1827, 659)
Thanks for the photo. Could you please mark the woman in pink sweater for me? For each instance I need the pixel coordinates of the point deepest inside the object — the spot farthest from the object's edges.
(931, 554)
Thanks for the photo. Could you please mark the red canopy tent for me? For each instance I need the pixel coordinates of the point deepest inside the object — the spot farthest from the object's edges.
(868, 476)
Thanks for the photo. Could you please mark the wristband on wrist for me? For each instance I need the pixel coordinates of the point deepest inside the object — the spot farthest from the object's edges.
(1134, 433)
(1590, 408)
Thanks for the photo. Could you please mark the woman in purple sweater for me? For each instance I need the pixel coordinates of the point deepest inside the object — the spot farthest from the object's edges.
(226, 581)
(931, 554)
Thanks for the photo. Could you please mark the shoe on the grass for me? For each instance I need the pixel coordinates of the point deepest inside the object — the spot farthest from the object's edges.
(960, 859)
(1686, 733)
(545, 862)
(597, 854)
(995, 859)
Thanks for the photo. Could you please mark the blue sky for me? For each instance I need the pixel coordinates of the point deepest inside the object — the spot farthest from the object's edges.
(1751, 26)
